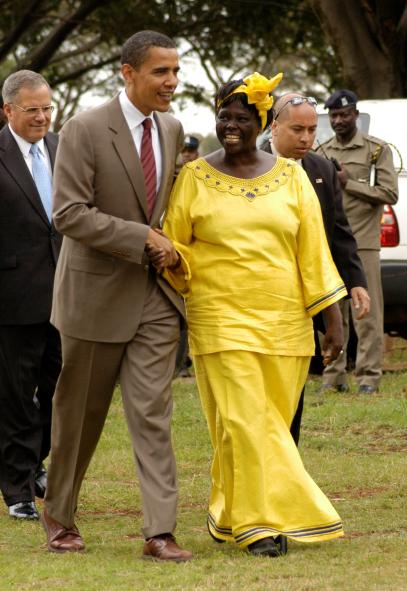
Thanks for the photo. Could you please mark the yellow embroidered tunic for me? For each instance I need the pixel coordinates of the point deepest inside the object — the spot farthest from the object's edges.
(256, 261)
(255, 267)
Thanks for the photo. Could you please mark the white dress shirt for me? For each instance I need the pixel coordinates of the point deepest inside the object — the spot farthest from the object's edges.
(25, 150)
(134, 119)
(277, 153)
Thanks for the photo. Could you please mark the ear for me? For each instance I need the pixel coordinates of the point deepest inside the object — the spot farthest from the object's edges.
(274, 128)
(7, 110)
(127, 72)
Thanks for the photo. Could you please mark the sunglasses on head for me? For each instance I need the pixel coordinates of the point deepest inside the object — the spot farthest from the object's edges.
(298, 100)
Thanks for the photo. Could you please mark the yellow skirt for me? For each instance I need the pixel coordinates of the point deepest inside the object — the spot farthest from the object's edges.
(260, 487)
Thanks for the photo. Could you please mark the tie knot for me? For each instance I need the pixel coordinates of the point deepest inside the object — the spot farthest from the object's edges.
(34, 149)
(147, 123)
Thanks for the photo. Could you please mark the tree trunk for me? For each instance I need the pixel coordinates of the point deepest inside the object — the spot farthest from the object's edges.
(369, 65)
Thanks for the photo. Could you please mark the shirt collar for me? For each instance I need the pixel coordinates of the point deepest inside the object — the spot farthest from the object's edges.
(356, 141)
(277, 153)
(25, 146)
(133, 116)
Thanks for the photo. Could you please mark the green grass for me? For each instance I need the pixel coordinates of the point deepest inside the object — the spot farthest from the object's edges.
(355, 448)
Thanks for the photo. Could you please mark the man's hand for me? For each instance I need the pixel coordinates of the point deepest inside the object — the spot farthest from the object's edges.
(343, 176)
(160, 250)
(361, 301)
(333, 340)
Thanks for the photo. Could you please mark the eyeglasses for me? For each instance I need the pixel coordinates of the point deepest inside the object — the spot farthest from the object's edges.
(298, 100)
(47, 110)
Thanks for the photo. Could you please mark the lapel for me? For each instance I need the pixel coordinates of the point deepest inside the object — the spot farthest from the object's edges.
(13, 160)
(51, 141)
(307, 166)
(124, 146)
(163, 133)
(314, 168)
(314, 173)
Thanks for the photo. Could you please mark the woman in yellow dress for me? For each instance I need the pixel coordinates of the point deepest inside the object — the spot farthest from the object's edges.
(254, 267)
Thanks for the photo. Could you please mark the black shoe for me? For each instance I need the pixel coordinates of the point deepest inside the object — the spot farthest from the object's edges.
(332, 388)
(367, 389)
(24, 510)
(342, 388)
(282, 542)
(264, 547)
(40, 482)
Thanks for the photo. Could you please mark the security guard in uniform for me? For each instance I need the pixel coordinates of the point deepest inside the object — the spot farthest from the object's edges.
(190, 150)
(366, 173)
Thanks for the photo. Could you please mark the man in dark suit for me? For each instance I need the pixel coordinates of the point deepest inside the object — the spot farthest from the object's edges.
(293, 134)
(119, 320)
(30, 356)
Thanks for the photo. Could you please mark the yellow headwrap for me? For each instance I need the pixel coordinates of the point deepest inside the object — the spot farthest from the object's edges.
(258, 89)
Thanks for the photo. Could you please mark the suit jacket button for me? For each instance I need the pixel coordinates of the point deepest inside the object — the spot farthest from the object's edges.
(146, 267)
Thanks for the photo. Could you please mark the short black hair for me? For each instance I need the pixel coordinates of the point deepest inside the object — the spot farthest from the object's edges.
(240, 97)
(136, 47)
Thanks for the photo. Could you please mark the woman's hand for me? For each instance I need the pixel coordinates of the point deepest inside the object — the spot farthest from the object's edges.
(333, 340)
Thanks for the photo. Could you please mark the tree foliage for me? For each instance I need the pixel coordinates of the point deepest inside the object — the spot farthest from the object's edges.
(76, 43)
(370, 40)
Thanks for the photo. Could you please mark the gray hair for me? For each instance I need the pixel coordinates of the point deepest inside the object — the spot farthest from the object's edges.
(21, 79)
(135, 49)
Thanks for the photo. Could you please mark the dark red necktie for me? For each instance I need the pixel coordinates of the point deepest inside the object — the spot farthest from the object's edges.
(148, 164)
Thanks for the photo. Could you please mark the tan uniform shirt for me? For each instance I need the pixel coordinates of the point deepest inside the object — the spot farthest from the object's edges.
(364, 198)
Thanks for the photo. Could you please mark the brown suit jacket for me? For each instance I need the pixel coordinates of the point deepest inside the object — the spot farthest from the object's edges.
(100, 206)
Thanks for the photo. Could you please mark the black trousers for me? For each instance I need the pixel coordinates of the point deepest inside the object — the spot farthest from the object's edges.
(30, 362)
(317, 368)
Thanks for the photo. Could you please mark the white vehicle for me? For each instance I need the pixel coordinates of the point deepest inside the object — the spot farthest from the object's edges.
(387, 120)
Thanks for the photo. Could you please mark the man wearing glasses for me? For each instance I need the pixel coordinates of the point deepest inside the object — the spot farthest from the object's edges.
(30, 356)
(293, 134)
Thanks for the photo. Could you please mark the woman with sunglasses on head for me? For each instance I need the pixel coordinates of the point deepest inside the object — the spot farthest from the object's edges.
(254, 267)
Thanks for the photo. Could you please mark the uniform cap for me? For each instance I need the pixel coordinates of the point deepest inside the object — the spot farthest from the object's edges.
(191, 142)
(341, 98)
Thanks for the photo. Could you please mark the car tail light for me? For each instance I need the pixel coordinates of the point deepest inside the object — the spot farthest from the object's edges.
(389, 229)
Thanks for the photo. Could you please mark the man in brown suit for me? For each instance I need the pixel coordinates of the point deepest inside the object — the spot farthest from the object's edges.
(118, 320)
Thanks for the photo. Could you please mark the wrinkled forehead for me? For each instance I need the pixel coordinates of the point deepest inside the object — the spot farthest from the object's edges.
(38, 92)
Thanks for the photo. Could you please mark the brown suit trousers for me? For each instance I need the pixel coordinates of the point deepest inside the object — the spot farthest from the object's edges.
(144, 367)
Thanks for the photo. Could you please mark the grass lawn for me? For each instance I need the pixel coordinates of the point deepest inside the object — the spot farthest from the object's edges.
(355, 448)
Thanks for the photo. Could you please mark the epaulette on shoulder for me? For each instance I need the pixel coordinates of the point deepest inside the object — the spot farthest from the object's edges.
(325, 143)
(375, 140)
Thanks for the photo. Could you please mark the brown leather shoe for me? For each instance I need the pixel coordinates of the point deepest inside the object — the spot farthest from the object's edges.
(165, 548)
(60, 538)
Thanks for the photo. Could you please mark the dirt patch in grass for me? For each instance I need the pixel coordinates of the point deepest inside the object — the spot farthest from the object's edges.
(386, 447)
(395, 354)
(380, 534)
(358, 493)
(383, 439)
(116, 512)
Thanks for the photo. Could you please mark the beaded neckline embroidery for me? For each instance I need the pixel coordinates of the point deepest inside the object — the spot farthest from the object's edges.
(248, 188)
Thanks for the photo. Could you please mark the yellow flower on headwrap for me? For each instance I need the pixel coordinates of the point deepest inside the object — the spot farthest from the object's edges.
(258, 89)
